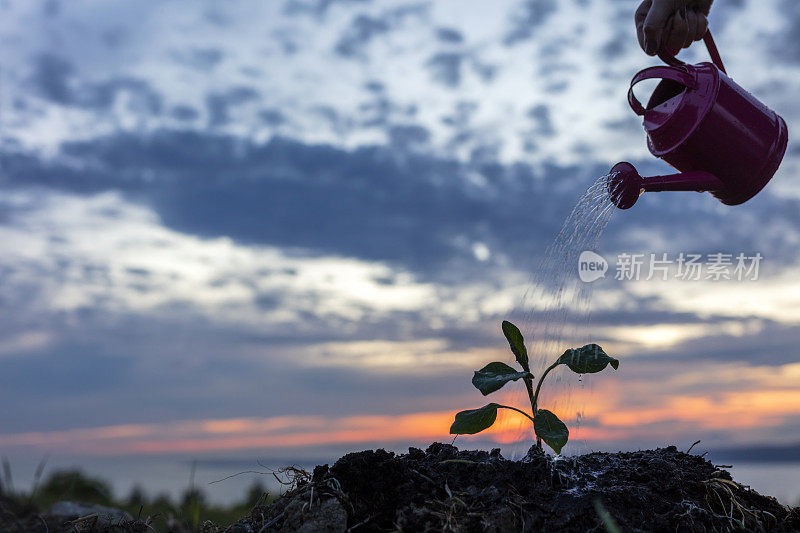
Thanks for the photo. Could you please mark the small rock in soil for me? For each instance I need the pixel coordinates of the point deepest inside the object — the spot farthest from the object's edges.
(323, 516)
(106, 516)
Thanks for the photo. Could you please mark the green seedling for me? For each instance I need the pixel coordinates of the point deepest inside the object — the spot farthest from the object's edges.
(588, 359)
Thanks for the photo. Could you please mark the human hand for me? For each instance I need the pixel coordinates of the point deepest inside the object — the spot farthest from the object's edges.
(671, 24)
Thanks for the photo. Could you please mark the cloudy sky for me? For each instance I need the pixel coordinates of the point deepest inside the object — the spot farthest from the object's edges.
(297, 224)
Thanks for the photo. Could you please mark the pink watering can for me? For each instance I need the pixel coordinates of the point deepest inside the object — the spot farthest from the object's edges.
(720, 138)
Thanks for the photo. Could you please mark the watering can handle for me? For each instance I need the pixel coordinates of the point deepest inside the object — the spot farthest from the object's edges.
(711, 46)
(681, 75)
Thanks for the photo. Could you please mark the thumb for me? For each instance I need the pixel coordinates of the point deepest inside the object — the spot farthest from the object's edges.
(656, 22)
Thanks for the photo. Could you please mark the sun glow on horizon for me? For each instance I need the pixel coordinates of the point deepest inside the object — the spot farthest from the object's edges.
(605, 417)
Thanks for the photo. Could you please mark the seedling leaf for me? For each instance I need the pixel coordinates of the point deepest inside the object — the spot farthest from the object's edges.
(588, 359)
(493, 376)
(474, 420)
(517, 344)
(550, 429)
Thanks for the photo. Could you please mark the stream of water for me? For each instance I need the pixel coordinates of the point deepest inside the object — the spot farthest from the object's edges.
(553, 314)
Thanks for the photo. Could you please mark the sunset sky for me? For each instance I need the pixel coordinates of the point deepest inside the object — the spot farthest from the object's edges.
(293, 227)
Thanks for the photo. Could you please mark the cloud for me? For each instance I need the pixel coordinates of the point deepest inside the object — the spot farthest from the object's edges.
(361, 31)
(55, 79)
(200, 58)
(770, 344)
(449, 35)
(379, 110)
(530, 16)
(52, 76)
(789, 49)
(363, 257)
(615, 47)
(258, 330)
(184, 113)
(236, 433)
(540, 116)
(316, 7)
(556, 64)
(272, 117)
(219, 104)
(446, 68)
(408, 136)
(420, 211)
(66, 372)
(415, 210)
(147, 360)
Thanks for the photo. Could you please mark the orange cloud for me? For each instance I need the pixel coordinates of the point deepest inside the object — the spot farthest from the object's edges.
(656, 415)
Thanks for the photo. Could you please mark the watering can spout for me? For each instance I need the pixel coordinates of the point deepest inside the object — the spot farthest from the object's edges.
(625, 184)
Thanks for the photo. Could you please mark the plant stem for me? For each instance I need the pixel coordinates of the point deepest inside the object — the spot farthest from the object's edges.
(539, 386)
(535, 398)
(529, 387)
(517, 410)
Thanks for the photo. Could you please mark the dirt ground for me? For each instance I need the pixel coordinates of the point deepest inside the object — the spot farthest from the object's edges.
(444, 489)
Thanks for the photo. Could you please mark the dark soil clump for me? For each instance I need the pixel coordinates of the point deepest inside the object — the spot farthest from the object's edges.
(444, 489)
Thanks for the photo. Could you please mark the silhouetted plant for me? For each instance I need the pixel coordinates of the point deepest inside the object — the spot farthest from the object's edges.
(75, 485)
(255, 494)
(587, 359)
(137, 496)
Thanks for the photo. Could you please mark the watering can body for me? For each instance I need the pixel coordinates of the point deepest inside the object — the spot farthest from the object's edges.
(719, 136)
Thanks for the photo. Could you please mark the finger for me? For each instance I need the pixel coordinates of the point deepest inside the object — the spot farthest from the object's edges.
(703, 6)
(676, 35)
(692, 23)
(641, 14)
(702, 27)
(656, 22)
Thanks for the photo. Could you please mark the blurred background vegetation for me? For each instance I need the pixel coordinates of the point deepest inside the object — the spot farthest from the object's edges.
(189, 511)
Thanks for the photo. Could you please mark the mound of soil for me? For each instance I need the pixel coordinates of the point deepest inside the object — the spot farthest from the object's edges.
(444, 489)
